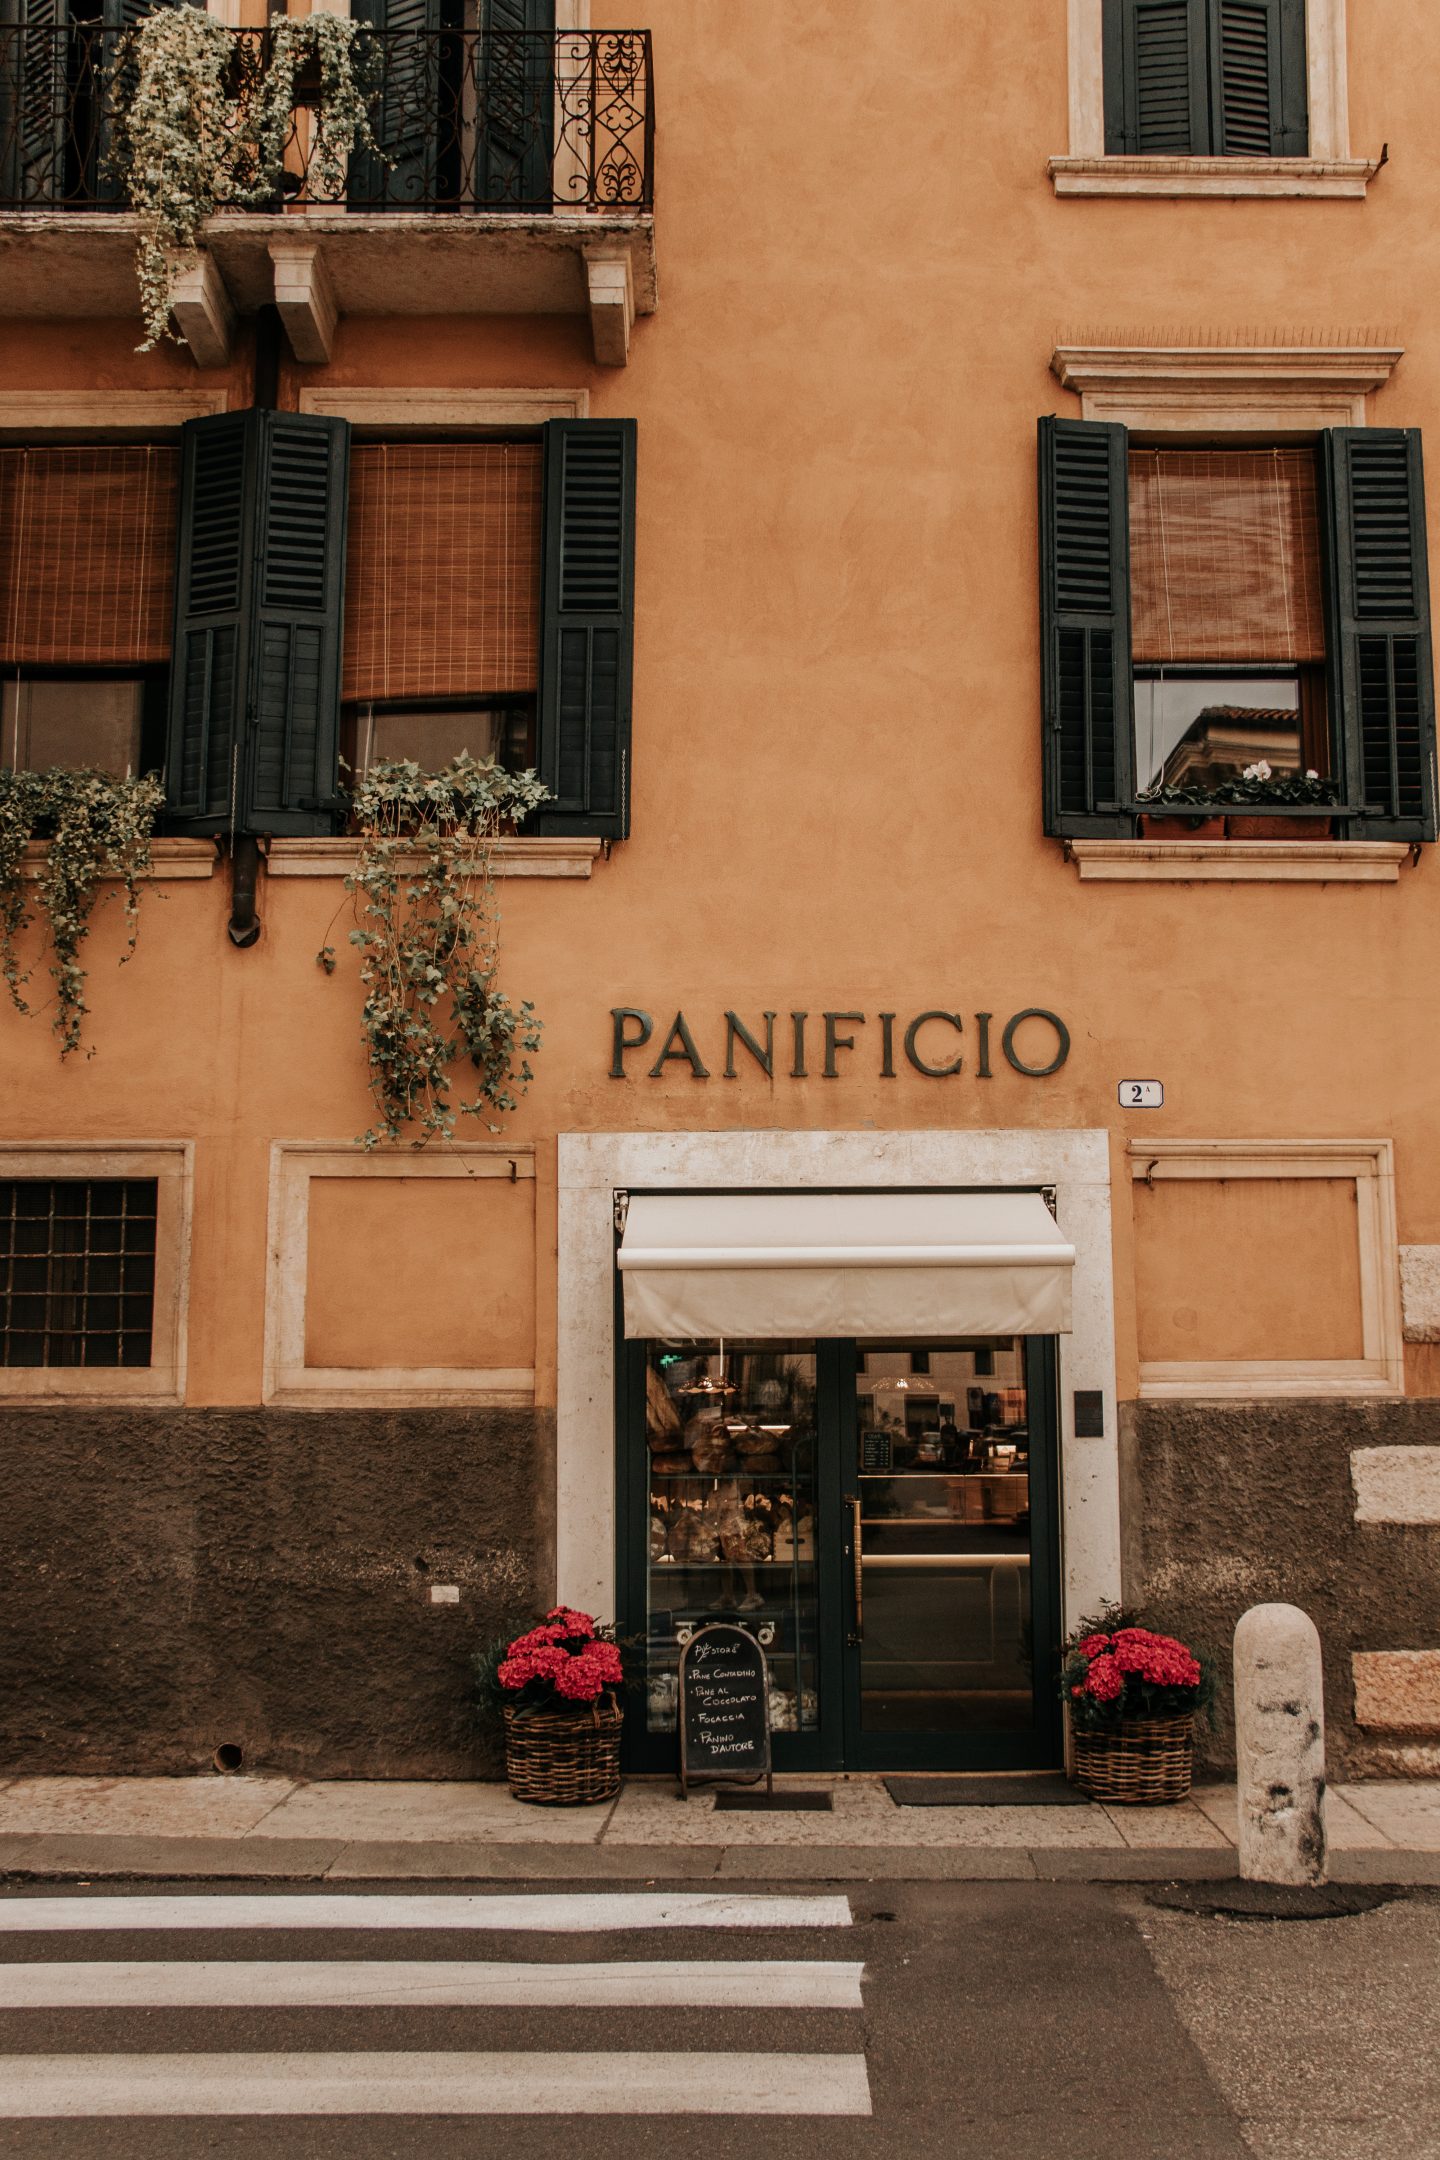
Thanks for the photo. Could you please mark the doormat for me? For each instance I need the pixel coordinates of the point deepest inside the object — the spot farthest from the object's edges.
(763, 1803)
(1045, 1789)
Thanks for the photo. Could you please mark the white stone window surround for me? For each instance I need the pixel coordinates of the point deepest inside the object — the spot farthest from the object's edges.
(1380, 1370)
(288, 1379)
(172, 1165)
(1329, 170)
(592, 1167)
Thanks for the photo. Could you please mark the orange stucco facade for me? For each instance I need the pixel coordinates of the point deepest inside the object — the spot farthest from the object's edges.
(864, 270)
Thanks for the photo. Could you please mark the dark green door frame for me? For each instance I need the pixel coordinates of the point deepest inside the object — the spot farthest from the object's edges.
(839, 1742)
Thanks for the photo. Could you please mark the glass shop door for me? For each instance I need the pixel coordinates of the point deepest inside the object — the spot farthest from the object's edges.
(948, 1467)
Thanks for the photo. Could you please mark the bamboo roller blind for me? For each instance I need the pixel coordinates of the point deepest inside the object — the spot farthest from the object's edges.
(87, 555)
(443, 577)
(1225, 555)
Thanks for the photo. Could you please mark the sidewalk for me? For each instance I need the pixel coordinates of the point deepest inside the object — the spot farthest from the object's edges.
(283, 1828)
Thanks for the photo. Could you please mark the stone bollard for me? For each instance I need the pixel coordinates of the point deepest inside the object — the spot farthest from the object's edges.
(1280, 1746)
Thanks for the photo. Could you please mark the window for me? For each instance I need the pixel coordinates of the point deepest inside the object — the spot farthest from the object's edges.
(1227, 615)
(442, 602)
(487, 604)
(87, 567)
(1205, 610)
(77, 1271)
(1205, 78)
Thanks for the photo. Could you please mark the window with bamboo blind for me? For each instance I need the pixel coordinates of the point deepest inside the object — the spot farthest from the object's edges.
(1227, 613)
(442, 602)
(87, 571)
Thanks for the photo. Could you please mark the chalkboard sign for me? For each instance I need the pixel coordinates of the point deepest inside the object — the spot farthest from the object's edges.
(724, 1707)
(875, 1450)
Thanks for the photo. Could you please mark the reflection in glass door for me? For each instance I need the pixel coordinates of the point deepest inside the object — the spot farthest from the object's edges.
(948, 1545)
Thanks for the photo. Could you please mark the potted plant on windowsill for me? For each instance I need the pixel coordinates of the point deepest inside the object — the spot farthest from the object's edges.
(1256, 806)
(1133, 1697)
(557, 1688)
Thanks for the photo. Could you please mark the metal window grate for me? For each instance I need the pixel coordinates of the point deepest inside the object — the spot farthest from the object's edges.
(77, 1271)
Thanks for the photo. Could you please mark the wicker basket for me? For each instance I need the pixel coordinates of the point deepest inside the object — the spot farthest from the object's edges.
(1142, 1762)
(564, 1758)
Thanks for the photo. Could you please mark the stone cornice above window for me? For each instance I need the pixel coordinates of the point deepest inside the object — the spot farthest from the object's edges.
(1322, 179)
(1210, 389)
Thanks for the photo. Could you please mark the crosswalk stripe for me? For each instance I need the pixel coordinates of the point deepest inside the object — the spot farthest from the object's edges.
(78, 2086)
(565, 1913)
(790, 1984)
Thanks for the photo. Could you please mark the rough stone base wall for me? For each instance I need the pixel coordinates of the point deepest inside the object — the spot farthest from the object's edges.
(179, 1580)
(1229, 1505)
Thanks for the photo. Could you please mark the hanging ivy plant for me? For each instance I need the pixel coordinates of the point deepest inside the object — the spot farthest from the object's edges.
(98, 828)
(194, 129)
(427, 926)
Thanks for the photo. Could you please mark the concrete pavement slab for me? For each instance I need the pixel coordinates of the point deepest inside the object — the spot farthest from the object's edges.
(1405, 1813)
(1147, 1827)
(1346, 1829)
(294, 1859)
(507, 1860)
(141, 1806)
(876, 1863)
(1155, 1863)
(458, 1812)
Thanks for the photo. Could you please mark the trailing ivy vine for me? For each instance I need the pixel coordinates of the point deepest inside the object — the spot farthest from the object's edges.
(195, 128)
(427, 927)
(98, 828)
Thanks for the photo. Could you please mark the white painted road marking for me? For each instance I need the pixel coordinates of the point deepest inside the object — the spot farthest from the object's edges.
(788, 1984)
(567, 1913)
(75, 2086)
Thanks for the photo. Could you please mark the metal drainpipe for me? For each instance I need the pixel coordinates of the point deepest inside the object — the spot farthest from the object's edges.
(244, 924)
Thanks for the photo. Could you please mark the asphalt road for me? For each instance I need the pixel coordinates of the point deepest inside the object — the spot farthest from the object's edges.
(1004, 2020)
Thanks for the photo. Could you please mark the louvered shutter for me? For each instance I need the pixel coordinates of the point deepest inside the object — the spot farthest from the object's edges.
(296, 620)
(517, 95)
(255, 674)
(1085, 628)
(1381, 669)
(1257, 74)
(33, 101)
(587, 626)
(1156, 75)
(417, 112)
(212, 599)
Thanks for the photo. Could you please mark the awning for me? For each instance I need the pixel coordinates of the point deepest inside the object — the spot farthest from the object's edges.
(769, 1264)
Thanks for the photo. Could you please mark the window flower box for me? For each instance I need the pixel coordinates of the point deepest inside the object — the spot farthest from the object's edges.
(1154, 826)
(1273, 826)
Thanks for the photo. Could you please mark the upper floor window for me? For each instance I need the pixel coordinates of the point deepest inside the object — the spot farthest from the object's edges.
(1205, 78)
(87, 572)
(1210, 612)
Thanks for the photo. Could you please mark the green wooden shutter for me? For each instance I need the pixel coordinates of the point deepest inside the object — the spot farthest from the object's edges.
(517, 95)
(1381, 668)
(1085, 628)
(1156, 73)
(33, 101)
(208, 664)
(296, 621)
(1259, 94)
(255, 672)
(417, 104)
(587, 626)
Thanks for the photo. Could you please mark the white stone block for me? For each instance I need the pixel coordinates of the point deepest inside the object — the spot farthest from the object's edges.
(1396, 1484)
(1420, 1292)
(444, 1593)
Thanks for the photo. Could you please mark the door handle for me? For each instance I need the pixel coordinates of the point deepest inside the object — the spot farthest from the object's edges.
(857, 1559)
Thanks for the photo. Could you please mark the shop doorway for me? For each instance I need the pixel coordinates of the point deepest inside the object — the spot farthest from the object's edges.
(882, 1514)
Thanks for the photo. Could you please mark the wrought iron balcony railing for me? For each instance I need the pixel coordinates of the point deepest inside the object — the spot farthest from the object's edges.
(463, 122)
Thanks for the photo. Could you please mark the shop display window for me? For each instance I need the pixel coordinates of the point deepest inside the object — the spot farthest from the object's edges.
(731, 1434)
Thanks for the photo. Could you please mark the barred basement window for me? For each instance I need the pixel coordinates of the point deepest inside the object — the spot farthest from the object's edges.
(77, 1271)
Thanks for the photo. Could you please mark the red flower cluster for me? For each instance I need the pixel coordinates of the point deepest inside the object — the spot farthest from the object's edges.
(566, 1654)
(1160, 1659)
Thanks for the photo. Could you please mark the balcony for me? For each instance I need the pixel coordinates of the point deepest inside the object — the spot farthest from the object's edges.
(515, 176)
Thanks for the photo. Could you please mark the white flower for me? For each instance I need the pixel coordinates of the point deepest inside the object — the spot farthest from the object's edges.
(1310, 773)
(1260, 771)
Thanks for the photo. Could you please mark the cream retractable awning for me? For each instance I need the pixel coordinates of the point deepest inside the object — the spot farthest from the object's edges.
(771, 1264)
